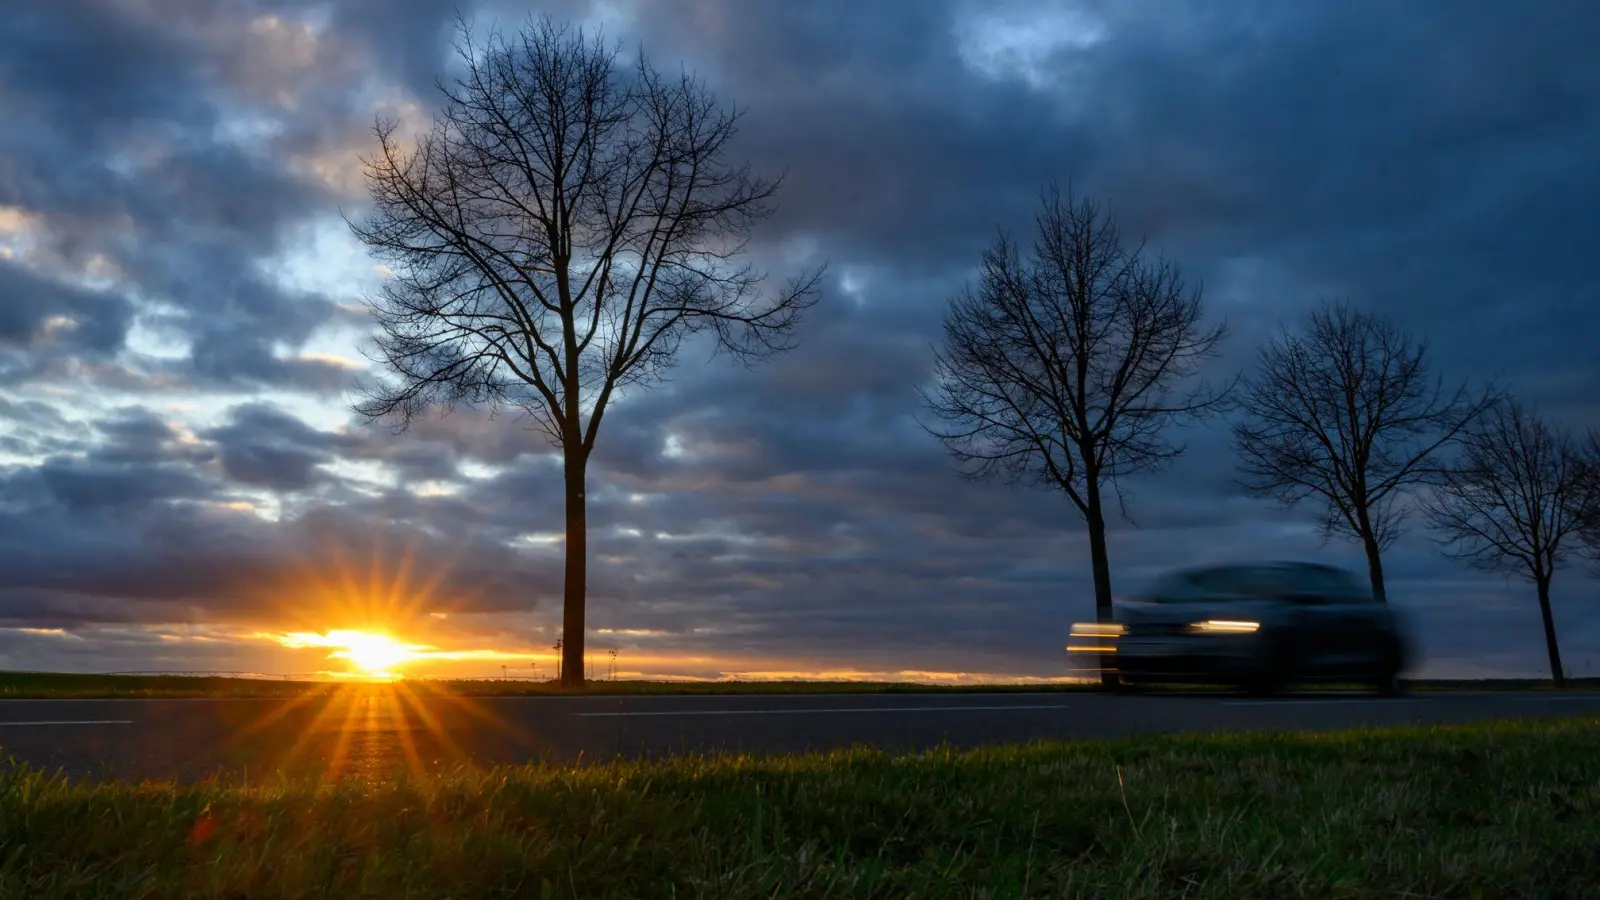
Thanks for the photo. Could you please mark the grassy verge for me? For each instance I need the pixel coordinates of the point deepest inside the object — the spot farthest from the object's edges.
(55, 686)
(47, 686)
(1506, 810)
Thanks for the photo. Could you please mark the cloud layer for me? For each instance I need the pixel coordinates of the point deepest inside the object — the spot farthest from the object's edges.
(180, 321)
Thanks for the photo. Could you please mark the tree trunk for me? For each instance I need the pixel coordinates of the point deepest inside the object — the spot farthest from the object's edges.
(1100, 562)
(575, 586)
(1374, 558)
(1556, 674)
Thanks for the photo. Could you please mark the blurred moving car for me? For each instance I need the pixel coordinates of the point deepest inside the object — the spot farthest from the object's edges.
(1258, 627)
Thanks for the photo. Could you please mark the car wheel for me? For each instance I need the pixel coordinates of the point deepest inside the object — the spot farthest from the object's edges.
(1273, 673)
(1267, 684)
(1389, 683)
(1125, 685)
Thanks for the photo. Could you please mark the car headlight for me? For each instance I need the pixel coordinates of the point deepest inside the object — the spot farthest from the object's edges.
(1095, 637)
(1225, 626)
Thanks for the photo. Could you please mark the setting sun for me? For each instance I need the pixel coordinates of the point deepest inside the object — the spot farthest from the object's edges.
(373, 653)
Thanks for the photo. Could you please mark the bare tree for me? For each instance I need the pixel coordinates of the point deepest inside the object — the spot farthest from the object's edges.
(1064, 368)
(554, 237)
(1511, 503)
(1347, 413)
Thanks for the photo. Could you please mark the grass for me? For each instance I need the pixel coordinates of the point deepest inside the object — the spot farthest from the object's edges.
(61, 686)
(1508, 810)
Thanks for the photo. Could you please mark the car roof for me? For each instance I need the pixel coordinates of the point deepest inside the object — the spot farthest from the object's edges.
(1269, 564)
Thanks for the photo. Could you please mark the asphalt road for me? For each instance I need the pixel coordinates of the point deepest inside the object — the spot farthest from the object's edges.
(370, 733)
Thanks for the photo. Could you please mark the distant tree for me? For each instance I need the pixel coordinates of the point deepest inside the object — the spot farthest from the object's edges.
(1347, 413)
(1588, 503)
(565, 224)
(1065, 366)
(1511, 503)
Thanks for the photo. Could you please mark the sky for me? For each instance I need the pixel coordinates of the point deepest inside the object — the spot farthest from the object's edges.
(183, 485)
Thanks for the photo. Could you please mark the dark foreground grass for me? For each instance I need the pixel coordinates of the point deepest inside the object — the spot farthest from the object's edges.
(1502, 811)
(63, 686)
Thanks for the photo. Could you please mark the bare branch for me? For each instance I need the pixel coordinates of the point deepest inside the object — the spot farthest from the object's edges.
(1346, 413)
(1510, 503)
(560, 229)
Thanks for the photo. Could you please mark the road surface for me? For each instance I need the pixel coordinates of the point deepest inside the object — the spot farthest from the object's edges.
(369, 733)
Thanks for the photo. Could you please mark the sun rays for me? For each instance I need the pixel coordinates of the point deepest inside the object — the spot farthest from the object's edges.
(354, 593)
(379, 604)
(377, 731)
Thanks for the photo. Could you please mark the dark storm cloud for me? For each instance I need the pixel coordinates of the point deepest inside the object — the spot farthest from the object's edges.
(150, 138)
(95, 321)
(240, 357)
(1435, 176)
(895, 152)
(137, 528)
(1428, 160)
(262, 447)
(135, 461)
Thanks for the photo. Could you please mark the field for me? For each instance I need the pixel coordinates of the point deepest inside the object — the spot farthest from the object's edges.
(53, 686)
(1509, 810)
(46, 685)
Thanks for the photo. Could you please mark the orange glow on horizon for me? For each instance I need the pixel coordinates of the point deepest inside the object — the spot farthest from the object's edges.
(376, 654)
(379, 654)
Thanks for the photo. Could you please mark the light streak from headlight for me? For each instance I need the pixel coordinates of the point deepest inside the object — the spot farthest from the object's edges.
(1225, 626)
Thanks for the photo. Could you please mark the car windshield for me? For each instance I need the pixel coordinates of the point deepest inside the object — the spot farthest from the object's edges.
(1329, 582)
(1178, 587)
(1255, 581)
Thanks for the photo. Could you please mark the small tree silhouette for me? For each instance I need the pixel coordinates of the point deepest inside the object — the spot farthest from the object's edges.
(1067, 363)
(1510, 504)
(1347, 414)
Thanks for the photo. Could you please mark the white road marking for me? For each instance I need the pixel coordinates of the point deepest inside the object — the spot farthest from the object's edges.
(1367, 701)
(500, 697)
(1538, 698)
(758, 695)
(68, 722)
(817, 711)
